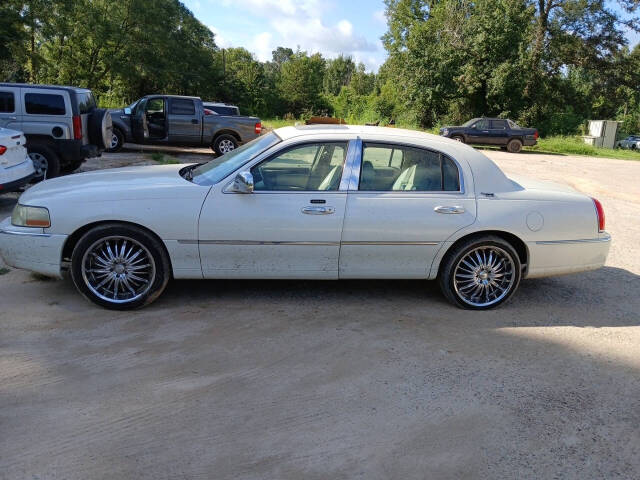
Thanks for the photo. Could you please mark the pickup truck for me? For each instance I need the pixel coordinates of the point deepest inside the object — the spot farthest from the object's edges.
(493, 131)
(177, 120)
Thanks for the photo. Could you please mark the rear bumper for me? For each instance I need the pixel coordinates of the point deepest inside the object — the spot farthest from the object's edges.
(559, 257)
(31, 249)
(13, 178)
(529, 142)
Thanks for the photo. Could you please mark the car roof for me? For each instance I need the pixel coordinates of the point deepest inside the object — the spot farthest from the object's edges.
(487, 176)
(53, 87)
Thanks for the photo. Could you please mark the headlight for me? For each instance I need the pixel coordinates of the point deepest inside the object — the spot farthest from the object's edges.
(445, 131)
(24, 216)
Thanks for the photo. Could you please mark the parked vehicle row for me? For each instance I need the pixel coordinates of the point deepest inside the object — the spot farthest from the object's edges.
(179, 120)
(632, 142)
(309, 202)
(493, 131)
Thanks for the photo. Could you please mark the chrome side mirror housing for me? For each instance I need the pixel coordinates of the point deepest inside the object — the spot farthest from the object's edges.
(243, 183)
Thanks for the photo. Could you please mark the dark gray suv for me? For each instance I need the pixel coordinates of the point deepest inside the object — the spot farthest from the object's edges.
(63, 125)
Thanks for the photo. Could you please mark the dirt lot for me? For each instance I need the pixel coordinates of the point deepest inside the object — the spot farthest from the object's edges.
(366, 379)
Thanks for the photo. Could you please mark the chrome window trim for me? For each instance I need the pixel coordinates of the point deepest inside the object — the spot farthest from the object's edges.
(460, 191)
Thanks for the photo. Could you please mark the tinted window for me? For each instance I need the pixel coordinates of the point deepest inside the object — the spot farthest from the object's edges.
(44, 104)
(223, 110)
(307, 167)
(181, 106)
(401, 168)
(482, 124)
(155, 105)
(86, 102)
(7, 102)
(499, 124)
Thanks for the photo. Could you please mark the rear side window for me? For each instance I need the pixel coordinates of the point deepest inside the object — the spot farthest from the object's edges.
(499, 124)
(44, 104)
(7, 102)
(86, 102)
(402, 168)
(224, 110)
(181, 106)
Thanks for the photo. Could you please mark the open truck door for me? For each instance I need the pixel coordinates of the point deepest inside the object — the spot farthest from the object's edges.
(139, 127)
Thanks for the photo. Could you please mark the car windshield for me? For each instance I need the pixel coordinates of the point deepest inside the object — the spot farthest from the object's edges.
(470, 122)
(215, 170)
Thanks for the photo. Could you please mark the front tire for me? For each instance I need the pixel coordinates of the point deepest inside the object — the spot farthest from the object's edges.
(458, 138)
(224, 144)
(120, 267)
(481, 273)
(117, 140)
(514, 145)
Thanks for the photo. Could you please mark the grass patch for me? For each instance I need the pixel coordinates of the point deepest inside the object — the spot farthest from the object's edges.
(576, 146)
(4, 271)
(164, 159)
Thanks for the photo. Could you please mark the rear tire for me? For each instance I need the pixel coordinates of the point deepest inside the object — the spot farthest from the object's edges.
(120, 267)
(117, 140)
(224, 144)
(481, 273)
(514, 145)
(45, 161)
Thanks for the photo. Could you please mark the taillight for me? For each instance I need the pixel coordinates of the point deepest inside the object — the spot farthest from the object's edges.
(258, 128)
(208, 112)
(535, 135)
(600, 213)
(77, 127)
(2, 149)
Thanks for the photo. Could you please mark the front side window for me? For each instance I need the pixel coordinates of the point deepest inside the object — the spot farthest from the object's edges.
(155, 105)
(7, 102)
(308, 167)
(182, 106)
(482, 124)
(403, 168)
(44, 104)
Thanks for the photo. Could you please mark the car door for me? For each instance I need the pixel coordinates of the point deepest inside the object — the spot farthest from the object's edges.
(478, 132)
(139, 128)
(184, 119)
(10, 108)
(498, 132)
(397, 231)
(289, 227)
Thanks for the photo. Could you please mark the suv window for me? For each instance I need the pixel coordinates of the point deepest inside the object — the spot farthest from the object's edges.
(44, 104)
(155, 105)
(308, 167)
(86, 102)
(181, 106)
(481, 124)
(7, 102)
(499, 124)
(402, 168)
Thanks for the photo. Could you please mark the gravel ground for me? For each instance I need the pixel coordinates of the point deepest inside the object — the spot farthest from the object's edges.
(352, 379)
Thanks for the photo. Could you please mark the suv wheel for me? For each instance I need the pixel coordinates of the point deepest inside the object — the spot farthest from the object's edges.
(224, 144)
(45, 161)
(514, 145)
(458, 138)
(481, 273)
(117, 140)
(120, 267)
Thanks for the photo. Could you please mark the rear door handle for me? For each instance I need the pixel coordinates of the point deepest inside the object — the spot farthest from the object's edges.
(12, 118)
(449, 210)
(318, 210)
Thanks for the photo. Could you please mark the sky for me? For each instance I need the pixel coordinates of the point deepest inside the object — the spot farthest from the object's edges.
(331, 27)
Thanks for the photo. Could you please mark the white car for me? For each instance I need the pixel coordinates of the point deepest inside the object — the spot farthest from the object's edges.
(631, 142)
(16, 168)
(311, 202)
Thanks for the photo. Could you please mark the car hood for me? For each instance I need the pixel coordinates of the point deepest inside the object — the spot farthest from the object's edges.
(144, 182)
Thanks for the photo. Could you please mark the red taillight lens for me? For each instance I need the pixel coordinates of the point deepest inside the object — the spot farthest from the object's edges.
(208, 112)
(77, 127)
(600, 213)
(258, 128)
(535, 135)
(2, 149)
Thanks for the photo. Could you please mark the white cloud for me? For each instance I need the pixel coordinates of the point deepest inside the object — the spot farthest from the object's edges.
(262, 47)
(380, 16)
(220, 40)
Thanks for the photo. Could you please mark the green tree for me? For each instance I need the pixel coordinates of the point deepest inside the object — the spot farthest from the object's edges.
(338, 74)
(300, 83)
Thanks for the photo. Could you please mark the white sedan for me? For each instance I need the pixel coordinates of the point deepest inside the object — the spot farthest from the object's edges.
(315, 202)
(16, 168)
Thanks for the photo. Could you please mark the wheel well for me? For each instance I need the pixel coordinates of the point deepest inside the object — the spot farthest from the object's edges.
(75, 237)
(226, 132)
(519, 246)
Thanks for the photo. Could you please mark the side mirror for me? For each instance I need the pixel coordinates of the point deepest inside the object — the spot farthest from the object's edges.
(127, 111)
(243, 183)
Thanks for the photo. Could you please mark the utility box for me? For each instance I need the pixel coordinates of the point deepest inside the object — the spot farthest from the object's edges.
(602, 133)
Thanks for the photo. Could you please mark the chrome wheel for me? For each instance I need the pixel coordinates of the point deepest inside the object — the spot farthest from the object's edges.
(225, 146)
(40, 164)
(114, 141)
(484, 276)
(118, 269)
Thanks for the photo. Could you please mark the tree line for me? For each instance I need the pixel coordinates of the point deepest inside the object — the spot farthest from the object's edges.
(545, 63)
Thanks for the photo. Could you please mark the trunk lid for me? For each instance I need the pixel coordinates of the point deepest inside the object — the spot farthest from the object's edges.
(15, 152)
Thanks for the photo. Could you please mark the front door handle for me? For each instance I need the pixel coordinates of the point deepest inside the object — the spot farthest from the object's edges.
(449, 210)
(318, 210)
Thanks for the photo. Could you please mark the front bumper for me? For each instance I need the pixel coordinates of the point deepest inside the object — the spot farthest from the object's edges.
(31, 249)
(12, 178)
